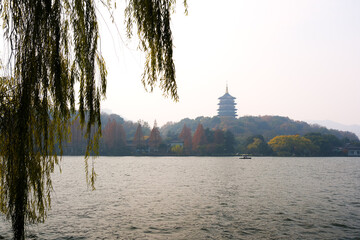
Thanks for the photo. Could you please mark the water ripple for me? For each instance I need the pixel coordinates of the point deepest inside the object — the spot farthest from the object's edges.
(204, 198)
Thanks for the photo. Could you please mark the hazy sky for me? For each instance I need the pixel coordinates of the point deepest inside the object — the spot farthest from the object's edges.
(299, 59)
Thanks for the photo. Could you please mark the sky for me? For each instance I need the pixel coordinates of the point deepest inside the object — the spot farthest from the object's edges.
(294, 58)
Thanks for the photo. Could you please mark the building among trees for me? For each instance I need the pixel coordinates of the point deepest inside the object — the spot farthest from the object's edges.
(227, 105)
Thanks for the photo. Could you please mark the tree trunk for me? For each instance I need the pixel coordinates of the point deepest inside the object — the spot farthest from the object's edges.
(21, 157)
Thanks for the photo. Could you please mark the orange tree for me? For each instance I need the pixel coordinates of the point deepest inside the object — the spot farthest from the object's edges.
(114, 137)
(185, 135)
(199, 140)
(155, 138)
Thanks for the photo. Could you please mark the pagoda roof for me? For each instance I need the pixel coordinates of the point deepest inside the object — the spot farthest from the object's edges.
(227, 96)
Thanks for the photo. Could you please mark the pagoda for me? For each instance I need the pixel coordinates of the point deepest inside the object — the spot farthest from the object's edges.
(227, 105)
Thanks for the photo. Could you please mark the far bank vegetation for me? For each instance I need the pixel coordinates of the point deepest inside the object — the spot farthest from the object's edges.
(214, 136)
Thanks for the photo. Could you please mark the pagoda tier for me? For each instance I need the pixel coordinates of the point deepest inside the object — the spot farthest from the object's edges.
(227, 105)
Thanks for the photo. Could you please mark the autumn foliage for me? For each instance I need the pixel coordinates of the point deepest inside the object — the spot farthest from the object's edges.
(114, 136)
(185, 135)
(199, 138)
(216, 141)
(292, 145)
(218, 137)
(155, 138)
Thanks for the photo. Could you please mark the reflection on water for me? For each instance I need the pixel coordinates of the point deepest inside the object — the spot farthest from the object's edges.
(204, 198)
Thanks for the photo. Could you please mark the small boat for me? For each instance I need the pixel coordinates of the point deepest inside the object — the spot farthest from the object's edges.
(245, 156)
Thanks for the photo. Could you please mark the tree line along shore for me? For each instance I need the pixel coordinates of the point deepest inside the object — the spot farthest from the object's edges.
(214, 136)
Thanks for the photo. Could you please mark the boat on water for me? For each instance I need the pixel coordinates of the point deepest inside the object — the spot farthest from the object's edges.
(244, 156)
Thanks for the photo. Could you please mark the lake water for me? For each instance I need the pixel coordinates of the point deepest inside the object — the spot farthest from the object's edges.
(204, 198)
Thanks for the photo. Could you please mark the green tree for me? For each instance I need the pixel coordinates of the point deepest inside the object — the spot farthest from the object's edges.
(219, 137)
(171, 136)
(177, 149)
(326, 143)
(219, 140)
(256, 145)
(229, 142)
(209, 134)
(139, 138)
(292, 145)
(54, 45)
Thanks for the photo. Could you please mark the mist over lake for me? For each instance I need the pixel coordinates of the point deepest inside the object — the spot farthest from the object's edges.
(203, 198)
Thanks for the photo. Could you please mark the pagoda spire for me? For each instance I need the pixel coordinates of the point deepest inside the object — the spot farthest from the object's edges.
(227, 89)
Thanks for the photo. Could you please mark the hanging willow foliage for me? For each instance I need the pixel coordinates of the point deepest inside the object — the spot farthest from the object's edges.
(152, 19)
(54, 45)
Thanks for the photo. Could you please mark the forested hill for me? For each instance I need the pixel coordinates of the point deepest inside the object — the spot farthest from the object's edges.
(244, 127)
(266, 135)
